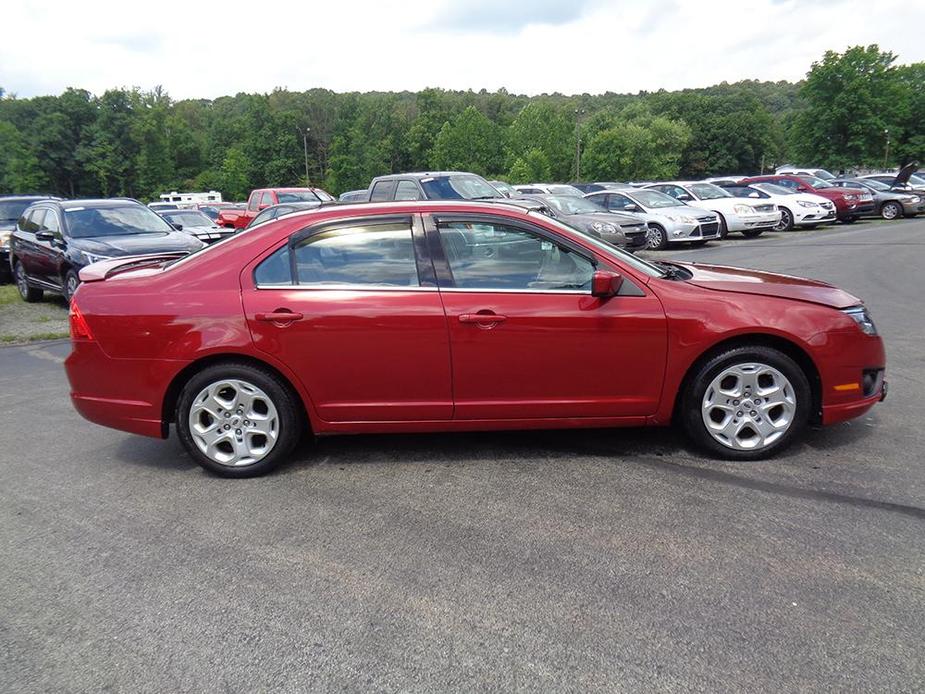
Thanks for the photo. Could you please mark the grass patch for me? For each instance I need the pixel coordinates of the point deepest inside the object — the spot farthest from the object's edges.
(8, 294)
(24, 322)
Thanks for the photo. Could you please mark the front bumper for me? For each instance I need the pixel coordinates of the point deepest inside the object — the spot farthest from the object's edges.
(685, 231)
(763, 220)
(5, 269)
(856, 209)
(813, 215)
(913, 207)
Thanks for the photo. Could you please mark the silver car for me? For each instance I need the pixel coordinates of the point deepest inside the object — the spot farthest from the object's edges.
(670, 221)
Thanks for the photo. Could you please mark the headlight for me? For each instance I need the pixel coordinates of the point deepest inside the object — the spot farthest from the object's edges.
(803, 203)
(689, 220)
(603, 228)
(4, 240)
(860, 316)
(743, 209)
(851, 197)
(90, 258)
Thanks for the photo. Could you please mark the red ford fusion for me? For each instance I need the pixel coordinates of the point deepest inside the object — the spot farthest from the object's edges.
(452, 316)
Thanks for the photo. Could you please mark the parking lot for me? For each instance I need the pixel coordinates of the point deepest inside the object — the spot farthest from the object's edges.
(565, 560)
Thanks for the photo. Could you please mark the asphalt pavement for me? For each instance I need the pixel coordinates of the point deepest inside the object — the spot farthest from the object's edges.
(542, 561)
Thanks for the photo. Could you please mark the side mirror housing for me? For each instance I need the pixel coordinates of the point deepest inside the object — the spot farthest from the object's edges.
(631, 208)
(178, 227)
(44, 236)
(605, 284)
(685, 198)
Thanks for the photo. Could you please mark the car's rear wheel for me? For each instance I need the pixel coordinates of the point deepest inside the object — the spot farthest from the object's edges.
(752, 233)
(238, 420)
(746, 403)
(28, 293)
(891, 210)
(786, 220)
(658, 237)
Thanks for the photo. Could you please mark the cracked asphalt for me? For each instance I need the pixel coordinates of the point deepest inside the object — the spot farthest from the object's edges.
(542, 561)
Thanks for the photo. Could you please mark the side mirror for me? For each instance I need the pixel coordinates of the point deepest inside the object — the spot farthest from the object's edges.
(178, 227)
(685, 198)
(631, 208)
(44, 235)
(605, 284)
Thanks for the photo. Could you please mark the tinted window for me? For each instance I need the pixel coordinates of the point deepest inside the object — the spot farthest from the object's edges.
(455, 187)
(267, 199)
(406, 190)
(275, 270)
(188, 218)
(495, 256)
(10, 211)
(51, 223)
(377, 255)
(297, 196)
(253, 201)
(786, 183)
(264, 216)
(619, 202)
(32, 221)
(383, 190)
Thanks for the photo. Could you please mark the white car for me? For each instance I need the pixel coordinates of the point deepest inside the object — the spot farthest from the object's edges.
(735, 214)
(548, 189)
(796, 209)
(670, 221)
(804, 171)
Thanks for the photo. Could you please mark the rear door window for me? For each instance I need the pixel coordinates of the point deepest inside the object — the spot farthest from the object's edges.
(407, 190)
(383, 191)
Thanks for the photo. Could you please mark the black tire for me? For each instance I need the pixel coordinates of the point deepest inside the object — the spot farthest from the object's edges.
(752, 233)
(70, 284)
(891, 210)
(786, 220)
(698, 244)
(849, 220)
(723, 229)
(658, 237)
(290, 418)
(696, 386)
(27, 292)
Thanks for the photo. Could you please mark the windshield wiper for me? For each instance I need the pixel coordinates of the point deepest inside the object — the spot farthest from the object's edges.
(488, 197)
(670, 271)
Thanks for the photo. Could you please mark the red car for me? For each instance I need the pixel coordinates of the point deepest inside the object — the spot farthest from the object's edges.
(850, 203)
(450, 316)
(262, 198)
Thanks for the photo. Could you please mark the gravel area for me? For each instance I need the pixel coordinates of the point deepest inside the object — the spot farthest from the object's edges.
(22, 322)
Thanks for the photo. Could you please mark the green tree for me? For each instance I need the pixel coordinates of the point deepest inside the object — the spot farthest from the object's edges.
(470, 142)
(532, 167)
(642, 149)
(235, 184)
(19, 167)
(549, 129)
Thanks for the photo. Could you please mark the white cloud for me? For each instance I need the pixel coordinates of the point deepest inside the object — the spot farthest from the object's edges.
(211, 49)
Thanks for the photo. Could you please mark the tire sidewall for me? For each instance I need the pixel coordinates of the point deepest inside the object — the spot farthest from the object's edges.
(788, 225)
(290, 418)
(893, 206)
(68, 294)
(697, 385)
(663, 238)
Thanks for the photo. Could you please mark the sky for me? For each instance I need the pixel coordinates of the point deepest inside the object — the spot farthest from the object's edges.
(209, 49)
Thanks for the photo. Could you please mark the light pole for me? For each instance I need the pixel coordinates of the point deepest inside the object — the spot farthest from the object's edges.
(886, 151)
(579, 112)
(304, 134)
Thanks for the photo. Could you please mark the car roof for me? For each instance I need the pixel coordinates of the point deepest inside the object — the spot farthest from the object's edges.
(28, 198)
(99, 202)
(424, 174)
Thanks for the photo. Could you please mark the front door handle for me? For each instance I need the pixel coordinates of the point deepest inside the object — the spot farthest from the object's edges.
(279, 316)
(487, 318)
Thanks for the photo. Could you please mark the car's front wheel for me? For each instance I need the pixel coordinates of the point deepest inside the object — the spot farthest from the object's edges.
(658, 237)
(746, 403)
(238, 420)
(786, 220)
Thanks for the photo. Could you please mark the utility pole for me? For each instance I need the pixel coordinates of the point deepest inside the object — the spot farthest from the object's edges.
(304, 134)
(886, 151)
(579, 112)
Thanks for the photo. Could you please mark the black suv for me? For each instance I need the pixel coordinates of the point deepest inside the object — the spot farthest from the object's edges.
(436, 185)
(54, 239)
(11, 208)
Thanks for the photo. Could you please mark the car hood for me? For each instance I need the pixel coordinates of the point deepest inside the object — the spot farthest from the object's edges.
(137, 244)
(586, 220)
(733, 279)
(902, 178)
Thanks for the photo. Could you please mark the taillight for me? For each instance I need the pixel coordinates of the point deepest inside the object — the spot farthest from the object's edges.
(80, 330)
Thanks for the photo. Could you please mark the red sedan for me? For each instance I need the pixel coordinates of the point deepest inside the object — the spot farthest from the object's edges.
(451, 316)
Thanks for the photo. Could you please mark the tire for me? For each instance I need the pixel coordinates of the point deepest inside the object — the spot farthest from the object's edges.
(849, 220)
(786, 220)
(29, 294)
(891, 211)
(263, 420)
(754, 437)
(70, 284)
(752, 233)
(658, 237)
(723, 229)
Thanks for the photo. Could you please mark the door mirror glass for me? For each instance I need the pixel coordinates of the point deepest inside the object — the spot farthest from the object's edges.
(605, 284)
(178, 227)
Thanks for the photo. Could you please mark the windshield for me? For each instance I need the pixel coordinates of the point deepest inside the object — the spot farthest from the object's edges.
(773, 189)
(653, 199)
(87, 222)
(564, 190)
(869, 183)
(815, 182)
(747, 192)
(12, 210)
(568, 204)
(824, 175)
(708, 191)
(458, 187)
(628, 258)
(297, 196)
(188, 219)
(916, 180)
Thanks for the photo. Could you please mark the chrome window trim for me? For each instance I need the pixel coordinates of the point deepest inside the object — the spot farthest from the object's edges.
(346, 287)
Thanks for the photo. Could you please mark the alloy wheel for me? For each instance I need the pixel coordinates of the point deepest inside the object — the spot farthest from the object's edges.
(749, 406)
(234, 423)
(890, 211)
(22, 283)
(785, 221)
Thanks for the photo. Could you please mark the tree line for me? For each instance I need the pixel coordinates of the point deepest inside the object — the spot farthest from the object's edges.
(857, 108)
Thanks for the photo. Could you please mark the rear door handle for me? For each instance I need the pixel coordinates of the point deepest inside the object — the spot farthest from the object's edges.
(279, 316)
(482, 318)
